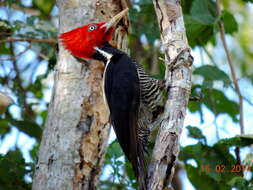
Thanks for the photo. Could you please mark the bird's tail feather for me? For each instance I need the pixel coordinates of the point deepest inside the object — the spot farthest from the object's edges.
(142, 170)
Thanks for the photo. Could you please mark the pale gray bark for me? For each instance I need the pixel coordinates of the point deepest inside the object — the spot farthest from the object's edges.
(76, 132)
(178, 78)
(5, 101)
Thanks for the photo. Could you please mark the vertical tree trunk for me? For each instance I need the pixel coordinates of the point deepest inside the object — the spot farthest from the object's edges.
(178, 79)
(75, 137)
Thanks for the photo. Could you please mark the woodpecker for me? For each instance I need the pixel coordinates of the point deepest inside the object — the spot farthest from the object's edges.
(132, 96)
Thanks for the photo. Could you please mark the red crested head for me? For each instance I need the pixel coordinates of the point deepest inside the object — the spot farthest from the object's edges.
(81, 41)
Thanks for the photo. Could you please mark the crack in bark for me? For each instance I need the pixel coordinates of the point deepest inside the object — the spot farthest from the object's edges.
(169, 170)
(50, 161)
(161, 20)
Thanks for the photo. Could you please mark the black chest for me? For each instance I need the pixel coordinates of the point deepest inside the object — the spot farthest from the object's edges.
(121, 83)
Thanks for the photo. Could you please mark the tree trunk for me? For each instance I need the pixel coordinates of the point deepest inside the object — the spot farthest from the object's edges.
(76, 133)
(178, 80)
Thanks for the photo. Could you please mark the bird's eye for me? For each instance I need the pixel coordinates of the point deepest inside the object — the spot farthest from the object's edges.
(92, 27)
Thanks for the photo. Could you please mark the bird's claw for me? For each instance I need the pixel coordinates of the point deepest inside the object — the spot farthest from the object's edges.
(184, 58)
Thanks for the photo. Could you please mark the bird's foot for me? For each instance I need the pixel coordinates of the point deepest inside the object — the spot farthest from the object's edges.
(184, 58)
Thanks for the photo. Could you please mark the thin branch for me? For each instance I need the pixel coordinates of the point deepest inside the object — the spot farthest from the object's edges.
(248, 101)
(27, 10)
(19, 54)
(230, 63)
(10, 39)
(20, 90)
(209, 55)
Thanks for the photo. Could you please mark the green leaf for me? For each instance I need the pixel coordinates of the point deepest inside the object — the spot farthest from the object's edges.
(200, 21)
(12, 171)
(114, 151)
(203, 11)
(215, 100)
(195, 92)
(186, 5)
(197, 33)
(29, 127)
(200, 180)
(9, 2)
(4, 127)
(214, 164)
(239, 141)
(4, 49)
(31, 20)
(37, 87)
(5, 28)
(196, 133)
(212, 73)
(218, 103)
(239, 182)
(129, 170)
(45, 6)
(230, 23)
(209, 157)
(34, 152)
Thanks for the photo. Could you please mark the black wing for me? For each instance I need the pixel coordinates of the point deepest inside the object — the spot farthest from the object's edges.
(122, 92)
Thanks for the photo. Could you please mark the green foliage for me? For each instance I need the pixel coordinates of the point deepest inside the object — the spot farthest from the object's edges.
(199, 22)
(201, 19)
(215, 164)
(213, 99)
(230, 23)
(203, 11)
(122, 176)
(13, 170)
(45, 6)
(19, 76)
(202, 180)
(212, 73)
(240, 183)
(29, 127)
(238, 141)
(4, 129)
(196, 133)
(114, 151)
(216, 101)
(145, 15)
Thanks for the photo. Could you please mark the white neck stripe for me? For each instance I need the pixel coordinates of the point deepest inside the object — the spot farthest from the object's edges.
(108, 56)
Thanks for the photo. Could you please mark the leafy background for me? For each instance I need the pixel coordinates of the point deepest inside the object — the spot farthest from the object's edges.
(211, 138)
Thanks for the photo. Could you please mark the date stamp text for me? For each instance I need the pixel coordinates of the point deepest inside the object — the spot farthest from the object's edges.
(220, 168)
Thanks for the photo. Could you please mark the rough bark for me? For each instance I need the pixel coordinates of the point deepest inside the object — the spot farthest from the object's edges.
(76, 132)
(178, 79)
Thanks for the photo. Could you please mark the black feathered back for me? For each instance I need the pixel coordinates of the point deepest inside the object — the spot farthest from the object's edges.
(122, 91)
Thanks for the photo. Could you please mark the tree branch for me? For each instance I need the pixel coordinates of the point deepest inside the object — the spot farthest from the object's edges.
(178, 78)
(27, 10)
(231, 66)
(10, 39)
(13, 57)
